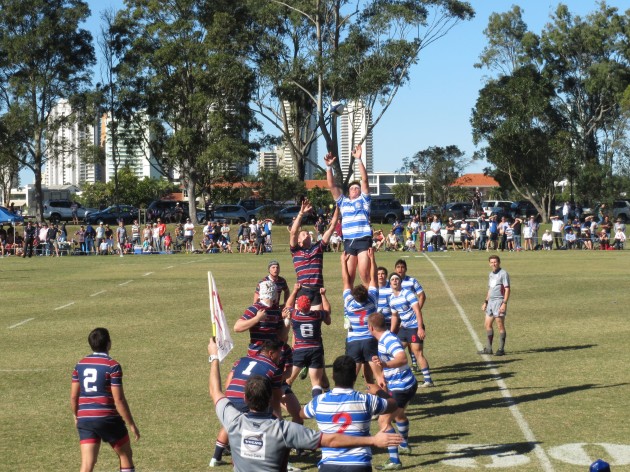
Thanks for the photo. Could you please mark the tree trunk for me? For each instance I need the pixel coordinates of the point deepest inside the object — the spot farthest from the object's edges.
(192, 204)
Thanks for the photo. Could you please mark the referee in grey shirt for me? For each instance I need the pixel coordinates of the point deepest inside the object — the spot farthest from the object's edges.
(262, 442)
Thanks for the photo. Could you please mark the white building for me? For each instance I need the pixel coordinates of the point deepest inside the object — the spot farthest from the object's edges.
(285, 155)
(268, 160)
(135, 153)
(382, 183)
(354, 124)
(68, 139)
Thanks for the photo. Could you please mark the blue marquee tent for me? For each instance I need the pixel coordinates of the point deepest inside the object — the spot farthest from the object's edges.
(7, 217)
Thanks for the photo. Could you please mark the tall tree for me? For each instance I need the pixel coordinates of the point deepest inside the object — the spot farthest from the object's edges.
(184, 82)
(314, 53)
(439, 166)
(44, 57)
(523, 134)
(586, 63)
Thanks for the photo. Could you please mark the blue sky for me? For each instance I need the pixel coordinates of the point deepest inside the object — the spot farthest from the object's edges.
(434, 108)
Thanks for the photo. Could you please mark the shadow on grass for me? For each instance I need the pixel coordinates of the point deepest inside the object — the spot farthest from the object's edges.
(471, 366)
(499, 402)
(425, 439)
(555, 349)
(440, 396)
(475, 378)
(521, 448)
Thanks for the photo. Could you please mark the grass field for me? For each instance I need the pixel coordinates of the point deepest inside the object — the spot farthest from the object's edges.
(558, 400)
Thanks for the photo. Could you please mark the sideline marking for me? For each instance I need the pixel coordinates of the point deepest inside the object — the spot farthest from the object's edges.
(170, 267)
(520, 419)
(64, 306)
(125, 283)
(148, 273)
(22, 370)
(98, 293)
(21, 323)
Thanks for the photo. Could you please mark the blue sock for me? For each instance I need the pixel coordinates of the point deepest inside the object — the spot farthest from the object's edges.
(316, 391)
(393, 450)
(403, 429)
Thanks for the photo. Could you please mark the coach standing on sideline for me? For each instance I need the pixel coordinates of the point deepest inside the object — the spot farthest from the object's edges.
(495, 304)
(262, 443)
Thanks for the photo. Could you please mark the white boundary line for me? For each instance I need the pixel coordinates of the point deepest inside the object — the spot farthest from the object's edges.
(520, 419)
(169, 267)
(98, 293)
(148, 273)
(22, 370)
(21, 323)
(125, 283)
(64, 306)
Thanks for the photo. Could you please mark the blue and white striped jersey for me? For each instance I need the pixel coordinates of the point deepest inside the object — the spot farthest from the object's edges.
(402, 304)
(384, 294)
(355, 216)
(357, 313)
(345, 411)
(412, 284)
(397, 378)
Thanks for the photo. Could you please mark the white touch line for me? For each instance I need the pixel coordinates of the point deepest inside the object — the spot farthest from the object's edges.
(170, 267)
(64, 306)
(22, 370)
(520, 420)
(148, 273)
(21, 323)
(98, 293)
(125, 283)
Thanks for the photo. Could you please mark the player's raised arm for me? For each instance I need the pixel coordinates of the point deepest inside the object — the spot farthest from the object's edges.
(357, 153)
(214, 382)
(325, 305)
(331, 226)
(345, 275)
(305, 207)
(329, 159)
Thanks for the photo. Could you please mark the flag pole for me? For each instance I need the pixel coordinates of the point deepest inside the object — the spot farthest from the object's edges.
(212, 307)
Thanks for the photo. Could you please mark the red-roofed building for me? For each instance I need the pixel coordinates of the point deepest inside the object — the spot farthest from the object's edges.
(484, 182)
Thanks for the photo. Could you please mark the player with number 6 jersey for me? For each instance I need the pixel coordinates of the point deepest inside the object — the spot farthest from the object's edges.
(308, 348)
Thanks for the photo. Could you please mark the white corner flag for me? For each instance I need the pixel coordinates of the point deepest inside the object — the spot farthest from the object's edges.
(219, 324)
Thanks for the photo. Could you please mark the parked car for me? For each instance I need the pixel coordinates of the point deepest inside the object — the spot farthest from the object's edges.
(430, 210)
(113, 214)
(266, 211)
(488, 205)
(457, 210)
(523, 209)
(250, 204)
(621, 209)
(61, 210)
(168, 211)
(231, 213)
(386, 210)
(286, 215)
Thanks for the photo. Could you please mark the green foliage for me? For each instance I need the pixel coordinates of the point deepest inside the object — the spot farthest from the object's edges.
(44, 56)
(182, 67)
(311, 54)
(277, 187)
(439, 166)
(321, 198)
(563, 113)
(131, 191)
(403, 193)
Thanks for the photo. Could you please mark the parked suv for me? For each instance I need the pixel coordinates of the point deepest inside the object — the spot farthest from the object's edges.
(489, 207)
(169, 212)
(621, 209)
(61, 210)
(457, 210)
(386, 210)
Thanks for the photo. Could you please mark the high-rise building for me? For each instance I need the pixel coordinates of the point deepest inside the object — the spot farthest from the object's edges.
(268, 160)
(134, 153)
(354, 124)
(286, 161)
(69, 138)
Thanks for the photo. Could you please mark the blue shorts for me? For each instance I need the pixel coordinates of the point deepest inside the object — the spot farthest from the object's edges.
(355, 246)
(112, 430)
(344, 468)
(409, 335)
(363, 350)
(403, 397)
(313, 295)
(310, 357)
